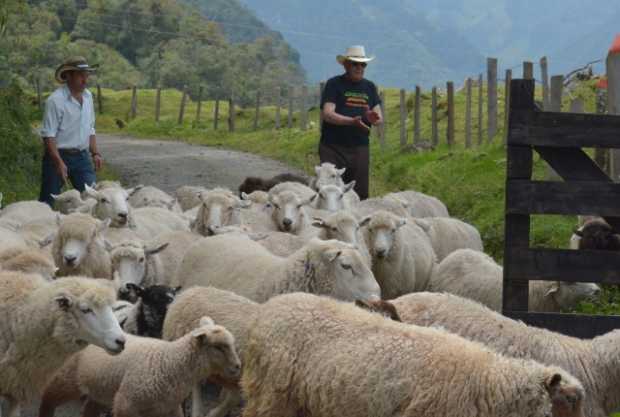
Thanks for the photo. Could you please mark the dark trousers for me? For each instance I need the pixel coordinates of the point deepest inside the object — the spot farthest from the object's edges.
(354, 159)
(80, 170)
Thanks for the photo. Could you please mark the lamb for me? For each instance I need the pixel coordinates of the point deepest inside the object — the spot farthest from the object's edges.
(421, 205)
(149, 196)
(328, 174)
(229, 310)
(333, 198)
(151, 377)
(29, 261)
(402, 256)
(145, 317)
(44, 323)
(189, 196)
(289, 212)
(593, 362)
(178, 244)
(595, 234)
(71, 202)
(79, 249)
(449, 234)
(111, 204)
(304, 351)
(475, 275)
(323, 267)
(134, 262)
(251, 184)
(219, 208)
(369, 206)
(302, 191)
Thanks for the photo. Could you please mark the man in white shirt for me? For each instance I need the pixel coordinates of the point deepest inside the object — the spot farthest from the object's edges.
(69, 132)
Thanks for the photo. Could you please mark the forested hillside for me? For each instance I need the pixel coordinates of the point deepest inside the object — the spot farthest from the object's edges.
(146, 42)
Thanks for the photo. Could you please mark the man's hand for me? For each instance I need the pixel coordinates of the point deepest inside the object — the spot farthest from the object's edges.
(359, 123)
(61, 170)
(373, 117)
(98, 161)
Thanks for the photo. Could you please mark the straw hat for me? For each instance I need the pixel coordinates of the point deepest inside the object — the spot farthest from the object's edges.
(76, 63)
(355, 53)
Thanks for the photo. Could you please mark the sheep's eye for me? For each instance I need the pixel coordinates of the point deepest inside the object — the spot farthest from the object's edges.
(322, 196)
(169, 298)
(276, 206)
(141, 260)
(345, 266)
(334, 176)
(393, 230)
(104, 200)
(86, 310)
(334, 229)
(299, 206)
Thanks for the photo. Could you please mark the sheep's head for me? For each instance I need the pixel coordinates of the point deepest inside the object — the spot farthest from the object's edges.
(218, 209)
(251, 184)
(155, 302)
(568, 294)
(288, 210)
(382, 229)
(68, 202)
(77, 233)
(346, 276)
(217, 350)
(327, 174)
(341, 226)
(86, 317)
(385, 308)
(331, 197)
(130, 263)
(567, 395)
(111, 204)
(597, 234)
(257, 197)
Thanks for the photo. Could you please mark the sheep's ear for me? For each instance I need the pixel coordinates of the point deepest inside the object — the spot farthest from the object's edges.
(341, 171)
(332, 254)
(155, 250)
(309, 200)
(176, 290)
(132, 191)
(91, 192)
(555, 287)
(206, 321)
(365, 221)
(64, 302)
(244, 202)
(401, 222)
(349, 186)
(552, 381)
(319, 222)
(578, 232)
(47, 240)
(54, 196)
(423, 224)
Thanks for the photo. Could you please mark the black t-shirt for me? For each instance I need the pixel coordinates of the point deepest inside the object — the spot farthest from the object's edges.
(351, 99)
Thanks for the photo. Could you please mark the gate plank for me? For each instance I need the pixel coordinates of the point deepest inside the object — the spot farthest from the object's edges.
(576, 325)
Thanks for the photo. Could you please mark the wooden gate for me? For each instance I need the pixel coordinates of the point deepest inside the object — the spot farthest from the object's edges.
(559, 139)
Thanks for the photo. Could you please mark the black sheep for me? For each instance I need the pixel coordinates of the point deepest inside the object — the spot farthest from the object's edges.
(251, 184)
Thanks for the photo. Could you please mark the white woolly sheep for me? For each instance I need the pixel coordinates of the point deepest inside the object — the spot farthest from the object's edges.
(420, 205)
(289, 211)
(178, 245)
(226, 308)
(302, 191)
(402, 256)
(111, 204)
(9, 238)
(71, 202)
(149, 196)
(304, 351)
(21, 212)
(594, 362)
(79, 249)
(448, 234)
(138, 263)
(38, 232)
(189, 196)
(371, 205)
(328, 174)
(333, 198)
(150, 222)
(44, 323)
(236, 263)
(257, 197)
(105, 184)
(475, 275)
(151, 377)
(219, 207)
(28, 260)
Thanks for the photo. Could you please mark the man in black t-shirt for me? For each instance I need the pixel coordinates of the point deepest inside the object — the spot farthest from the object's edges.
(350, 106)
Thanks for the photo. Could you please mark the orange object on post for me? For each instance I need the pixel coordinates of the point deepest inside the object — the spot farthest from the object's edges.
(615, 47)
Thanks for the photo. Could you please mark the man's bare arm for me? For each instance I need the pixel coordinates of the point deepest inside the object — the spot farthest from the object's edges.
(330, 116)
(97, 159)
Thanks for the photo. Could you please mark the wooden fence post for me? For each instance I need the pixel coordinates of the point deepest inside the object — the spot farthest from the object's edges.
(134, 102)
(417, 128)
(507, 103)
(528, 70)
(403, 119)
(199, 105)
(468, 114)
(434, 119)
(291, 98)
(450, 130)
(612, 65)
(303, 108)
(555, 105)
(492, 98)
(157, 103)
(601, 155)
(99, 100)
(544, 73)
(577, 105)
(278, 104)
(257, 113)
(182, 108)
(480, 109)
(381, 129)
(321, 90)
(216, 113)
(231, 114)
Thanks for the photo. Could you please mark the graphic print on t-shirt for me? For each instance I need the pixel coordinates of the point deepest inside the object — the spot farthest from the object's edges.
(354, 99)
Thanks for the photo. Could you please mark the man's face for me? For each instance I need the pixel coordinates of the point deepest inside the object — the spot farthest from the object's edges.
(355, 70)
(76, 80)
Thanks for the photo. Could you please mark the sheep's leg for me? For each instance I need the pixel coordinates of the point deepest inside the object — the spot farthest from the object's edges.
(14, 408)
(92, 409)
(232, 397)
(197, 401)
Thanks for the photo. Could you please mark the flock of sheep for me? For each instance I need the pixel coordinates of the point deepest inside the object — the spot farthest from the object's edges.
(293, 296)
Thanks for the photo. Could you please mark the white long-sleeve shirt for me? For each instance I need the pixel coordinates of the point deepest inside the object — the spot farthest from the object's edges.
(68, 121)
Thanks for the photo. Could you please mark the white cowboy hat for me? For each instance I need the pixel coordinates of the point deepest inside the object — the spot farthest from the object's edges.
(355, 53)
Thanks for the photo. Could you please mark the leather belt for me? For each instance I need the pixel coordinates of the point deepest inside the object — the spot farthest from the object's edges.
(71, 151)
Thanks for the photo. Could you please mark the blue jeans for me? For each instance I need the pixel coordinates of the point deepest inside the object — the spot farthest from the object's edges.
(80, 169)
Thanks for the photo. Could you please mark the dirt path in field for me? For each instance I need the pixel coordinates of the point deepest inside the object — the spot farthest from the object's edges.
(169, 165)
